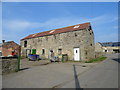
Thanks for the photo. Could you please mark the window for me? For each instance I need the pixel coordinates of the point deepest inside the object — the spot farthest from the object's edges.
(91, 44)
(51, 50)
(105, 50)
(75, 34)
(90, 28)
(59, 51)
(90, 33)
(43, 51)
(25, 43)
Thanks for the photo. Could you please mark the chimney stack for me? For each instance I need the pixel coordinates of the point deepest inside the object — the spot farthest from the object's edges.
(3, 41)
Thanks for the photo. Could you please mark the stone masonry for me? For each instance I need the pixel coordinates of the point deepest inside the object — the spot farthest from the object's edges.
(9, 65)
(67, 41)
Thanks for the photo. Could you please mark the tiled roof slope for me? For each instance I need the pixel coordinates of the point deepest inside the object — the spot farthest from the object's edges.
(10, 44)
(60, 30)
(111, 44)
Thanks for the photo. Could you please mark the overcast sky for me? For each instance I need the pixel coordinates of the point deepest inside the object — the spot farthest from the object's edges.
(23, 18)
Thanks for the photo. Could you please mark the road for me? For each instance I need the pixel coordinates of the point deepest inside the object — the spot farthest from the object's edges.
(67, 75)
(103, 75)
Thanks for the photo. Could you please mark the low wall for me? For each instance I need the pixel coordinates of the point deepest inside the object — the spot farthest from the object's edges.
(0, 67)
(9, 65)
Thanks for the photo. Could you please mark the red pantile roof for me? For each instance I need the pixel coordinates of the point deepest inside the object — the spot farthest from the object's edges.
(60, 30)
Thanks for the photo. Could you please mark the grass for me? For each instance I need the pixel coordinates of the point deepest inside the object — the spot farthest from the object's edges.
(96, 59)
(71, 61)
(101, 58)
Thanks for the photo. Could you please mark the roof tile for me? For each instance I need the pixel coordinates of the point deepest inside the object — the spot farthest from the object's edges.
(60, 30)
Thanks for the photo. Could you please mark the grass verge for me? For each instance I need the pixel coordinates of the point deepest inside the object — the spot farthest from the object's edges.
(69, 61)
(96, 59)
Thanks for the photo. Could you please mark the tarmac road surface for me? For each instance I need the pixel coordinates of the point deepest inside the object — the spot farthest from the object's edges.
(67, 75)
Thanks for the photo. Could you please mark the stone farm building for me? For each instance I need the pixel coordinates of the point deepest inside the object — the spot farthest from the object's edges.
(76, 41)
(108, 47)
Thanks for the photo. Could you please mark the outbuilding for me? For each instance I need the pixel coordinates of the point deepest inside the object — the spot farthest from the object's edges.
(76, 41)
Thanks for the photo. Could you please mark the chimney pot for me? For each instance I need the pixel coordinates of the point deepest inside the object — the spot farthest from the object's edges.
(3, 41)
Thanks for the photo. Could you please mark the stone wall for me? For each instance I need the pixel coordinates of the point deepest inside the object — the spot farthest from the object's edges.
(9, 65)
(99, 54)
(89, 46)
(98, 47)
(83, 39)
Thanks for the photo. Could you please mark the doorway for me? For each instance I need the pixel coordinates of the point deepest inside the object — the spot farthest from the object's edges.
(116, 50)
(28, 51)
(76, 54)
(33, 51)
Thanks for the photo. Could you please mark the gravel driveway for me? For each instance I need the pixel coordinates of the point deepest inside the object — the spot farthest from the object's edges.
(25, 63)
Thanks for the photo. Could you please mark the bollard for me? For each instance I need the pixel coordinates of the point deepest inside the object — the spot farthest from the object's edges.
(62, 58)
